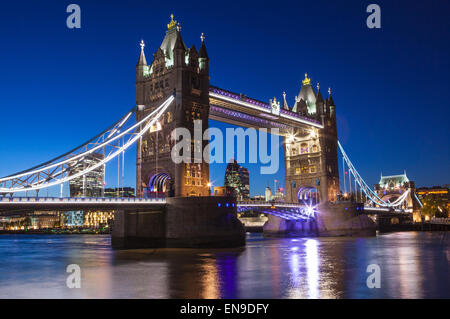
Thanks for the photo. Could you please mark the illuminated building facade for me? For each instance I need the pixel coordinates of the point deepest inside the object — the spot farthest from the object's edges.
(237, 177)
(440, 193)
(185, 71)
(268, 194)
(73, 218)
(245, 180)
(98, 219)
(279, 195)
(44, 219)
(122, 192)
(90, 184)
(311, 155)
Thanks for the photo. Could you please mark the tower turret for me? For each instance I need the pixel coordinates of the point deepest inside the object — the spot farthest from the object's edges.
(141, 65)
(141, 70)
(285, 104)
(193, 57)
(319, 104)
(179, 50)
(203, 56)
(330, 107)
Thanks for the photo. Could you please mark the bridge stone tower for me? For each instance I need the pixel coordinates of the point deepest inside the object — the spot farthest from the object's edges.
(390, 188)
(311, 153)
(175, 68)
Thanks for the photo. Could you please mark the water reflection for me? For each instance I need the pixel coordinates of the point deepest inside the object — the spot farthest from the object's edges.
(312, 267)
(413, 265)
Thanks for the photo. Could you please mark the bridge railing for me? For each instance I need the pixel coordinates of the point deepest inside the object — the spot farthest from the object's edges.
(81, 200)
(265, 203)
(440, 220)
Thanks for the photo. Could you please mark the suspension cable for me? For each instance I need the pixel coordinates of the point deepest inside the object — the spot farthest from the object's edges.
(38, 181)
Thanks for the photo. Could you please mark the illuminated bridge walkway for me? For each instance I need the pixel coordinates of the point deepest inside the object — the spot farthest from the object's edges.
(299, 211)
(289, 211)
(15, 204)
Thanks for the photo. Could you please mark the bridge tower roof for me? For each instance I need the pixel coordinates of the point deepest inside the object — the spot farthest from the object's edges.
(307, 94)
(168, 44)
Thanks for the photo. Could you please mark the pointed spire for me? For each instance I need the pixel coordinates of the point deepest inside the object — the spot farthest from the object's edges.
(203, 53)
(294, 108)
(285, 105)
(142, 60)
(179, 44)
(319, 94)
(330, 99)
(193, 56)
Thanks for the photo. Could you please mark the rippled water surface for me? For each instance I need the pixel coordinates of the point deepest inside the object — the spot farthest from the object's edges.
(412, 265)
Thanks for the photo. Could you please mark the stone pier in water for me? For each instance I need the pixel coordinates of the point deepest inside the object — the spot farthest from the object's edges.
(331, 219)
(183, 222)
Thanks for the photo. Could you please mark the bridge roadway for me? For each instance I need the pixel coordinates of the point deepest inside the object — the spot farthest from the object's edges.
(13, 205)
(248, 205)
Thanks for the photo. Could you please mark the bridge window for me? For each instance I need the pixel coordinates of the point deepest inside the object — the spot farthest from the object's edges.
(303, 148)
(294, 151)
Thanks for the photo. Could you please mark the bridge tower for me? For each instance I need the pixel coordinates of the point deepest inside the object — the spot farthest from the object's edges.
(311, 159)
(175, 68)
(390, 188)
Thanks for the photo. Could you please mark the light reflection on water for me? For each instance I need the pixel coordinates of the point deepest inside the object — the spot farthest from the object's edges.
(413, 265)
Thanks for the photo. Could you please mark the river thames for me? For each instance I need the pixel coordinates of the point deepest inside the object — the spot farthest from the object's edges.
(412, 265)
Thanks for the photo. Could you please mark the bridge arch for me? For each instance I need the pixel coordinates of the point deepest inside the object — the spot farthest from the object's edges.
(308, 194)
(161, 183)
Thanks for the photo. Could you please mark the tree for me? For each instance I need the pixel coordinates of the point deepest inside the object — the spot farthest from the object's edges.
(434, 207)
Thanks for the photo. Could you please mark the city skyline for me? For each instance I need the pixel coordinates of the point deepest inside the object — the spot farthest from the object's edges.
(81, 100)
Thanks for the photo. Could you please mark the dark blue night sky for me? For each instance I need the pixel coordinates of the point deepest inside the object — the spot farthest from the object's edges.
(60, 86)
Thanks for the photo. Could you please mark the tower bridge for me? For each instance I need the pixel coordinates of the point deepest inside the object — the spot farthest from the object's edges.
(172, 92)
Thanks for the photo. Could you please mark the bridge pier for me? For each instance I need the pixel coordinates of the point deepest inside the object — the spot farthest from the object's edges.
(331, 219)
(185, 222)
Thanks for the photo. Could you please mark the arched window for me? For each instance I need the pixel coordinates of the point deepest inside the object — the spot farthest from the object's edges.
(314, 149)
(303, 148)
(294, 150)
